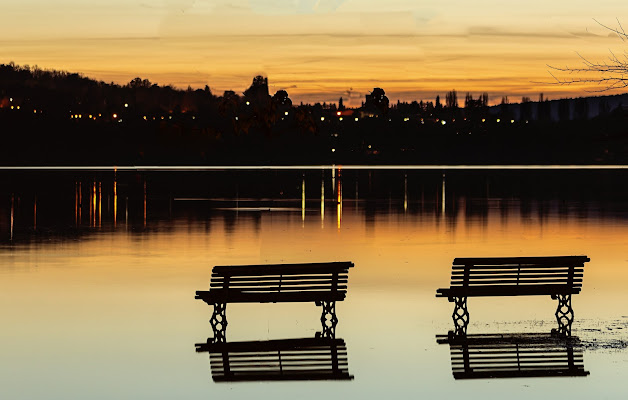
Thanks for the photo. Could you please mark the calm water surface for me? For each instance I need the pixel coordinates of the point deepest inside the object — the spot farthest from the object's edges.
(98, 272)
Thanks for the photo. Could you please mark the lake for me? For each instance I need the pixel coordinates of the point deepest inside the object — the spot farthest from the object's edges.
(99, 269)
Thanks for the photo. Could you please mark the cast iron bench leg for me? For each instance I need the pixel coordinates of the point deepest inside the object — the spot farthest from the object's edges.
(328, 318)
(219, 322)
(564, 314)
(460, 316)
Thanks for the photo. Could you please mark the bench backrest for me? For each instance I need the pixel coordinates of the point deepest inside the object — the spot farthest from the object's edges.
(290, 359)
(516, 355)
(281, 282)
(519, 272)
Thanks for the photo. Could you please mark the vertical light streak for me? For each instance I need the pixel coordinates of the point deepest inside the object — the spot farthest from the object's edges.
(115, 203)
(76, 203)
(144, 204)
(35, 214)
(303, 199)
(12, 213)
(99, 204)
(323, 198)
(339, 199)
(405, 193)
(80, 204)
(93, 204)
(442, 205)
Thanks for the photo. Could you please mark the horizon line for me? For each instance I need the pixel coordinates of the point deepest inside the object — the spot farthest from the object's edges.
(314, 167)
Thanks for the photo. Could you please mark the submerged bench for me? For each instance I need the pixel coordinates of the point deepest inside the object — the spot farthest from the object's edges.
(321, 283)
(558, 277)
(514, 355)
(273, 360)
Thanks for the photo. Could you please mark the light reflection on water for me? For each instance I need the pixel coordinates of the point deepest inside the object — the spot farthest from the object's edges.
(110, 298)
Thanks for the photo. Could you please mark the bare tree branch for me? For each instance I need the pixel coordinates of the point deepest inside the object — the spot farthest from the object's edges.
(608, 75)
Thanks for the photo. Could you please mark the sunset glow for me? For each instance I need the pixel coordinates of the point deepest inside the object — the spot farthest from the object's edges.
(316, 50)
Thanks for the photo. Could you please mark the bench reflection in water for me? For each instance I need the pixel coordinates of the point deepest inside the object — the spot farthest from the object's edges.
(319, 358)
(514, 355)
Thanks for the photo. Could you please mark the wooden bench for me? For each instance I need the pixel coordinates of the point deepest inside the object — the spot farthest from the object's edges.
(321, 283)
(514, 355)
(272, 360)
(558, 277)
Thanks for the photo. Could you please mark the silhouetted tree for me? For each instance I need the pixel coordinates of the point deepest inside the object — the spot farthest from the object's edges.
(451, 99)
(377, 101)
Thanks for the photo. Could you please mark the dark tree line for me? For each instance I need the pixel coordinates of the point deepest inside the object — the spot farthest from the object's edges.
(52, 117)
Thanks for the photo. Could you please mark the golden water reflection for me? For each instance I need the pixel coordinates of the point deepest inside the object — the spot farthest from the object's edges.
(131, 288)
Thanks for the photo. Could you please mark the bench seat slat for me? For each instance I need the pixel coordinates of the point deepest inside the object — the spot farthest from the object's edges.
(476, 277)
(221, 296)
(282, 268)
(280, 289)
(507, 290)
(480, 271)
(274, 283)
(475, 282)
(569, 260)
(275, 277)
(516, 267)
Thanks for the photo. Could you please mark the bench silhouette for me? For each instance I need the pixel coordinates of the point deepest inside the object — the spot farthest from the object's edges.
(514, 355)
(289, 359)
(321, 283)
(558, 277)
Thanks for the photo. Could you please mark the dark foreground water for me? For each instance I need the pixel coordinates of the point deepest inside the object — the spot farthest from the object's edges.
(98, 271)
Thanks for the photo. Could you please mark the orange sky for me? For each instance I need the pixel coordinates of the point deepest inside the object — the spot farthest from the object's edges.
(318, 50)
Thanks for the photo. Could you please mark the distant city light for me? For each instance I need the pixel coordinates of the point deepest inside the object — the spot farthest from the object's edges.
(12, 107)
(443, 122)
(333, 150)
(322, 118)
(338, 113)
(18, 107)
(406, 119)
(34, 111)
(498, 120)
(126, 105)
(236, 118)
(193, 117)
(115, 116)
(248, 103)
(356, 119)
(10, 98)
(90, 116)
(370, 146)
(340, 119)
(170, 117)
(483, 119)
(144, 117)
(286, 113)
(512, 121)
